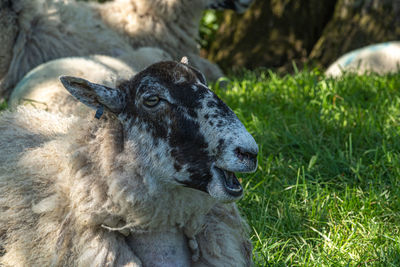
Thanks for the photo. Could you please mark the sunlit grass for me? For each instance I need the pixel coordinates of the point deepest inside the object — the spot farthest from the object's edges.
(327, 188)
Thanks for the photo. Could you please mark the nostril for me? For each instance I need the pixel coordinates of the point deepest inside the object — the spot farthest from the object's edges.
(244, 154)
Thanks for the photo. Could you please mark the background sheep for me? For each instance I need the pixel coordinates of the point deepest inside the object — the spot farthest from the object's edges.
(70, 188)
(50, 29)
(42, 89)
(172, 26)
(379, 58)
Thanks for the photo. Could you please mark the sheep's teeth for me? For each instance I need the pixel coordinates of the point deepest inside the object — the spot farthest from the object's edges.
(232, 183)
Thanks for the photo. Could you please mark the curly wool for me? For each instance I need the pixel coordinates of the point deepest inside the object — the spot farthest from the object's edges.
(172, 26)
(380, 58)
(42, 30)
(50, 29)
(87, 192)
(54, 212)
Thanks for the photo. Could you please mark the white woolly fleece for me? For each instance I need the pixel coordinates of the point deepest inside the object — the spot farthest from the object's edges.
(42, 30)
(63, 187)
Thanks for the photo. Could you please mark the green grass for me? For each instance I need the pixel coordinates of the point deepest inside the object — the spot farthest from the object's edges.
(327, 188)
(3, 105)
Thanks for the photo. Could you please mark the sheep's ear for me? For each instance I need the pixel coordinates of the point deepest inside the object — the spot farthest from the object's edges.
(94, 95)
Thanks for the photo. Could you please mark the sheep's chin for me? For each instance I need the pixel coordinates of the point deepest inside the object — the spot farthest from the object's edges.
(224, 186)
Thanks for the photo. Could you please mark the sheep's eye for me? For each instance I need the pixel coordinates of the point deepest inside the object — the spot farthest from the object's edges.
(151, 101)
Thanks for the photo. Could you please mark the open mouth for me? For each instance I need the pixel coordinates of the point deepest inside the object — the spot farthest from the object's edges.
(231, 183)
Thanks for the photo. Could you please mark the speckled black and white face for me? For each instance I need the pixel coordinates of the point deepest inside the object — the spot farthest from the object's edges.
(239, 6)
(186, 134)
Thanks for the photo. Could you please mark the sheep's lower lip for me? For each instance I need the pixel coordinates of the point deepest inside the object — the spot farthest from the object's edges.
(230, 182)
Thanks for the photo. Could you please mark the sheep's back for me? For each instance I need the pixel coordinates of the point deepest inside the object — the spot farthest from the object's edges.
(30, 159)
(31, 153)
(42, 88)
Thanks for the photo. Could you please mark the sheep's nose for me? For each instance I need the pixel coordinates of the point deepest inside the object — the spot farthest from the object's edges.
(248, 154)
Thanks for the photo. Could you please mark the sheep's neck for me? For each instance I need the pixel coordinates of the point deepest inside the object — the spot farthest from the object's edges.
(163, 211)
(161, 248)
(139, 201)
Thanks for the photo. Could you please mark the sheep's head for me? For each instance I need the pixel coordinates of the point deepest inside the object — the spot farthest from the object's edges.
(239, 6)
(190, 136)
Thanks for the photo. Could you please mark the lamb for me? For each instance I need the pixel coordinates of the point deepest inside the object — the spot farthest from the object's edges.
(148, 183)
(36, 31)
(380, 58)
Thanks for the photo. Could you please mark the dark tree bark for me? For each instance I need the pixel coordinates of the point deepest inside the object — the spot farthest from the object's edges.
(273, 33)
(9, 31)
(357, 23)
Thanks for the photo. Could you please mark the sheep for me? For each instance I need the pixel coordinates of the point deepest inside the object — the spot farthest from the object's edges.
(149, 183)
(51, 29)
(378, 58)
(171, 25)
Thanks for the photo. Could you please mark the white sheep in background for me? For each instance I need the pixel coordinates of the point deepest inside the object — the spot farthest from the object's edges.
(42, 89)
(51, 29)
(170, 25)
(148, 184)
(378, 58)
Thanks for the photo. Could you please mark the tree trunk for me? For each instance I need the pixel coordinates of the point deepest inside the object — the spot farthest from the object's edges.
(9, 31)
(357, 23)
(273, 33)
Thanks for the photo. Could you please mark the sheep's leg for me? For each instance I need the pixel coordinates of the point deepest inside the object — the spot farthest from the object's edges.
(224, 240)
(103, 248)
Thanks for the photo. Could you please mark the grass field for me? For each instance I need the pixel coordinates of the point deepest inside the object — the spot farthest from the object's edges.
(327, 188)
